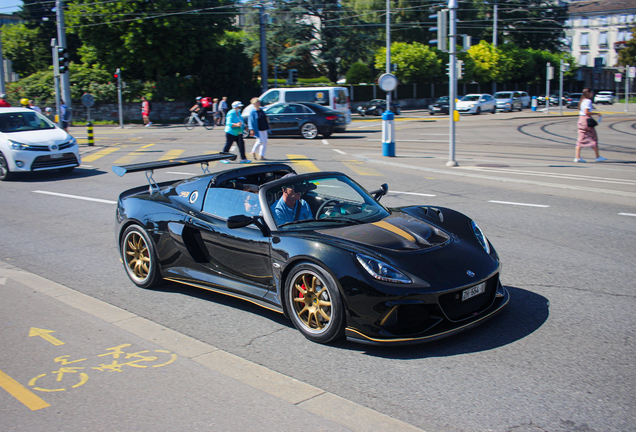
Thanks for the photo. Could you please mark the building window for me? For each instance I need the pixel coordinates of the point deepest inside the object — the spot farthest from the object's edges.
(622, 19)
(584, 39)
(583, 60)
(630, 18)
(602, 20)
(602, 39)
(585, 22)
(621, 36)
(568, 23)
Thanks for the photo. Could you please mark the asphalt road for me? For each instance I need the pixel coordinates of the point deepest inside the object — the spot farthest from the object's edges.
(559, 358)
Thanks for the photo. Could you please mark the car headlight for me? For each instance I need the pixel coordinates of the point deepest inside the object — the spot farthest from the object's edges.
(480, 236)
(73, 141)
(382, 271)
(17, 145)
(360, 107)
(471, 105)
(507, 104)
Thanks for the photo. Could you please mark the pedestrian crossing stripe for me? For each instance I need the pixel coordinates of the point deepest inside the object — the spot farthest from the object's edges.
(359, 168)
(171, 154)
(303, 163)
(101, 153)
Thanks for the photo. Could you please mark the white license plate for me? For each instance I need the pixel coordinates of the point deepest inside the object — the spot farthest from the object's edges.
(57, 156)
(472, 292)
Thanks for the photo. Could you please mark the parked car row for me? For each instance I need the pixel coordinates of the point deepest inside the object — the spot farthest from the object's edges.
(479, 102)
(377, 107)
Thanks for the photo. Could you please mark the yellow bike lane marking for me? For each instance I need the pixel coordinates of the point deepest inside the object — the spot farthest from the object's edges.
(21, 393)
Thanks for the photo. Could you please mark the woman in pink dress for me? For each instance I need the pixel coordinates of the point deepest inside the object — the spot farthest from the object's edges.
(587, 135)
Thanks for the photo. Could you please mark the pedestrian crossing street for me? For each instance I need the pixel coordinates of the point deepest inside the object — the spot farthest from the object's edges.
(122, 155)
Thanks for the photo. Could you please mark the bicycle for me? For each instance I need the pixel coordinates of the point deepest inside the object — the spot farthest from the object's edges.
(193, 120)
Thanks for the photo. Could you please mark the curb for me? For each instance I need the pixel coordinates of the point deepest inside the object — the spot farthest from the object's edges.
(305, 396)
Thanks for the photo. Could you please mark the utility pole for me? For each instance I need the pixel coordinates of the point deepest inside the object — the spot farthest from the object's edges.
(56, 81)
(119, 98)
(263, 17)
(2, 89)
(549, 74)
(494, 37)
(388, 49)
(452, 79)
(61, 43)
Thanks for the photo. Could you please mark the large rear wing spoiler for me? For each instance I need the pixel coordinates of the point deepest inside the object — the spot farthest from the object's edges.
(149, 167)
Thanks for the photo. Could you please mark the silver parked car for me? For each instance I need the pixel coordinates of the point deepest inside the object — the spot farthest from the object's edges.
(508, 101)
(476, 103)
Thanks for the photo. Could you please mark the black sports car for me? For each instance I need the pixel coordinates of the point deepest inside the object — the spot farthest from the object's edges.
(377, 107)
(333, 259)
(304, 118)
(440, 106)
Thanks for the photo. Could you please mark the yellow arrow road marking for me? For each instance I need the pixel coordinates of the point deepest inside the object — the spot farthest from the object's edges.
(171, 154)
(21, 393)
(45, 335)
(358, 167)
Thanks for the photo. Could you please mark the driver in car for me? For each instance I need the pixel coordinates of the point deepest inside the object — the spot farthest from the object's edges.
(290, 207)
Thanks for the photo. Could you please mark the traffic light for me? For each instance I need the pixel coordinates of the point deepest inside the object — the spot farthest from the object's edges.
(117, 74)
(62, 60)
(441, 29)
(293, 76)
(460, 69)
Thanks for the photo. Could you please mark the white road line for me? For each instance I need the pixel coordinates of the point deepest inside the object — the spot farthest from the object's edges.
(519, 204)
(627, 214)
(76, 197)
(339, 151)
(411, 193)
(544, 174)
(325, 142)
(464, 173)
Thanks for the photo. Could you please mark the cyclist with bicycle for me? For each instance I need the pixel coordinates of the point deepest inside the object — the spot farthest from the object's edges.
(199, 109)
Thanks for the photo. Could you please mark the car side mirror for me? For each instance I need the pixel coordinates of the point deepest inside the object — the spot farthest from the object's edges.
(377, 194)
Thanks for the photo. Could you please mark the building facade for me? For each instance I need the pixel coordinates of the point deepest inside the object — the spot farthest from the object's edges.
(596, 31)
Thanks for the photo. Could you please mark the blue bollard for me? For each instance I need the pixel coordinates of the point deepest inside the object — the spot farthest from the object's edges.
(534, 103)
(388, 134)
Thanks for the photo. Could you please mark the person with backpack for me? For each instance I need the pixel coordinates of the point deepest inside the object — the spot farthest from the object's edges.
(145, 111)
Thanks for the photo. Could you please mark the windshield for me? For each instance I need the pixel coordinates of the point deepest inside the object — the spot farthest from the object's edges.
(24, 121)
(503, 95)
(322, 202)
(443, 99)
(470, 98)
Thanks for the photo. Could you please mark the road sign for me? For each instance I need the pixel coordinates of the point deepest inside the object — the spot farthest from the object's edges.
(632, 72)
(88, 100)
(618, 77)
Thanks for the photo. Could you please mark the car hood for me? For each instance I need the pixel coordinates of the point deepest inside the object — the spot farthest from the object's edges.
(466, 103)
(398, 232)
(46, 137)
(503, 100)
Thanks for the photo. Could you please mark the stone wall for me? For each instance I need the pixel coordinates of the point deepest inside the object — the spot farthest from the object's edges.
(161, 112)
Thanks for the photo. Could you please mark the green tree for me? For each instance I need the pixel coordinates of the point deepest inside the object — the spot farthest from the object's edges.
(487, 63)
(23, 47)
(415, 62)
(358, 73)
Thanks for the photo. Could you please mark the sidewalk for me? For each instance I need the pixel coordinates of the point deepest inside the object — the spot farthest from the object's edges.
(146, 377)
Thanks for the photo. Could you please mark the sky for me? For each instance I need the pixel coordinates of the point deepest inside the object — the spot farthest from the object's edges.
(9, 6)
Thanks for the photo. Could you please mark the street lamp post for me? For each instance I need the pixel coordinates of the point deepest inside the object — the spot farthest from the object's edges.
(452, 79)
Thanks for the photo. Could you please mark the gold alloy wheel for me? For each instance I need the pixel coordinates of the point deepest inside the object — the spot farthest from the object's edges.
(137, 256)
(312, 303)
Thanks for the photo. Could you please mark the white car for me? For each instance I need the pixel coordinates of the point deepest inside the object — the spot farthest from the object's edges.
(476, 103)
(31, 142)
(605, 97)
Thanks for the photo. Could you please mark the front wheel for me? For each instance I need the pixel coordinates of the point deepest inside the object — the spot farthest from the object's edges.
(139, 257)
(399, 111)
(5, 172)
(494, 110)
(207, 124)
(478, 111)
(189, 123)
(314, 303)
(309, 131)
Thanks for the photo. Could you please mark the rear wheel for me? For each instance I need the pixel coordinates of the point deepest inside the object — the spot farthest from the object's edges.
(5, 172)
(309, 131)
(139, 257)
(189, 123)
(399, 111)
(207, 124)
(314, 303)
(494, 110)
